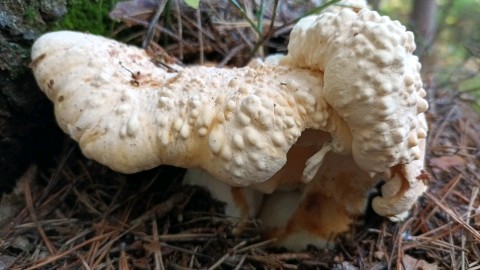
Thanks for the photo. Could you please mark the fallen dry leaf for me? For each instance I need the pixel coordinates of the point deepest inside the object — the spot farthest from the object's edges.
(410, 263)
(446, 162)
(133, 11)
(379, 254)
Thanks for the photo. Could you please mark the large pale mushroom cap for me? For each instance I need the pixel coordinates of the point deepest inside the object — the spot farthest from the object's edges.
(371, 79)
(131, 115)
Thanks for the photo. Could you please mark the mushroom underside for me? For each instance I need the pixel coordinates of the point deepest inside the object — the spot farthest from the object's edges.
(299, 214)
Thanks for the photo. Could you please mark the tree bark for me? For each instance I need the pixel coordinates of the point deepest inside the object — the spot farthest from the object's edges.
(28, 133)
(374, 4)
(423, 22)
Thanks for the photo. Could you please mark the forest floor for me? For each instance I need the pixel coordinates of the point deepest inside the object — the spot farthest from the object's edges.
(83, 215)
(80, 215)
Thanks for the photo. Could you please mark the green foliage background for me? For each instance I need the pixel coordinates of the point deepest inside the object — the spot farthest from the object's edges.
(456, 50)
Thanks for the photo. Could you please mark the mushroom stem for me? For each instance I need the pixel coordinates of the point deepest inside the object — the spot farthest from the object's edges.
(127, 113)
(314, 162)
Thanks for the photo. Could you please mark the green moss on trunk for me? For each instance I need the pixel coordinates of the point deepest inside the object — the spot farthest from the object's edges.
(88, 16)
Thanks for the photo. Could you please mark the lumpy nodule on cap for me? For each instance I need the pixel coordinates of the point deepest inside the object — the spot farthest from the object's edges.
(371, 79)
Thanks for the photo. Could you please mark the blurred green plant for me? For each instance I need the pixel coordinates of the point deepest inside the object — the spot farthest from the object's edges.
(192, 3)
(88, 16)
(456, 48)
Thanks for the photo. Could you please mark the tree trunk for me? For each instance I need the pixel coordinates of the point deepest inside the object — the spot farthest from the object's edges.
(28, 133)
(374, 4)
(423, 22)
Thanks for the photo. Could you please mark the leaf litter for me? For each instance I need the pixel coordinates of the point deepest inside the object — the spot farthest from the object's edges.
(80, 215)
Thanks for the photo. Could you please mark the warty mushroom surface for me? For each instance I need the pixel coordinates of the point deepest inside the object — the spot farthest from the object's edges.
(348, 92)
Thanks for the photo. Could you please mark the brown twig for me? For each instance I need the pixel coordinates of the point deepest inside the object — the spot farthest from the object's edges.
(29, 175)
(158, 250)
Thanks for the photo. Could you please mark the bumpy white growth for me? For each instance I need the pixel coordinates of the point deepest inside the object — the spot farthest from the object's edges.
(371, 79)
(405, 185)
(131, 115)
(351, 76)
(372, 83)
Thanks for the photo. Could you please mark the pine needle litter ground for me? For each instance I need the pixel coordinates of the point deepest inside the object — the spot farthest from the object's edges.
(80, 215)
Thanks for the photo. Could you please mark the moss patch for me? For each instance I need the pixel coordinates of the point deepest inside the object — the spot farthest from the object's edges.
(88, 16)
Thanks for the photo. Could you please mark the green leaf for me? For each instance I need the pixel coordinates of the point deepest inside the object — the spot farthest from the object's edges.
(192, 3)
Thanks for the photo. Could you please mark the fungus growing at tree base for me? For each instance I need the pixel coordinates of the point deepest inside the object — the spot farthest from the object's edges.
(314, 130)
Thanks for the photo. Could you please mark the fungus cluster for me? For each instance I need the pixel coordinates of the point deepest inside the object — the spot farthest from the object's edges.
(299, 140)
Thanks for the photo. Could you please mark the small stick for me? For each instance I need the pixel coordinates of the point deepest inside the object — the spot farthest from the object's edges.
(123, 262)
(257, 245)
(454, 215)
(227, 255)
(179, 29)
(29, 175)
(200, 36)
(63, 254)
(158, 251)
(241, 262)
(152, 25)
(160, 210)
(469, 215)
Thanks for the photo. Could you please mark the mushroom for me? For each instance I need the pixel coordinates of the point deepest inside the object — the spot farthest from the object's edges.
(316, 129)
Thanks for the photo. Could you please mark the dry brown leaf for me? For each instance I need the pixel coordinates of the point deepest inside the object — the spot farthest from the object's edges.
(379, 254)
(133, 12)
(410, 263)
(445, 163)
